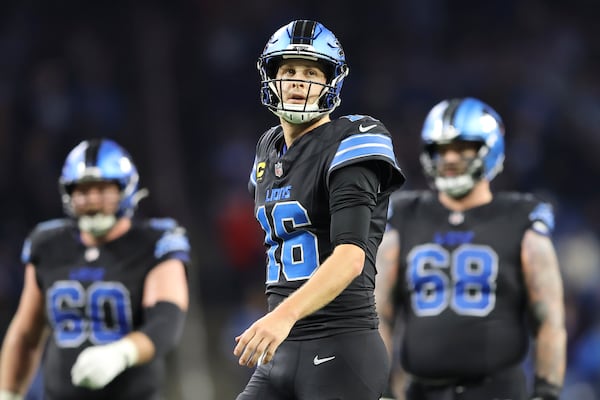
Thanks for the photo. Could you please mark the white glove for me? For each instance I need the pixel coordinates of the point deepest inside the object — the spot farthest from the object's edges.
(96, 366)
(7, 395)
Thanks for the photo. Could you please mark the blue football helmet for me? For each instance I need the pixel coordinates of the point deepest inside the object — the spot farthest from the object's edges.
(464, 119)
(308, 40)
(101, 160)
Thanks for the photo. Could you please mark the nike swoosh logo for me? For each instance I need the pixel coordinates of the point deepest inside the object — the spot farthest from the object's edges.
(318, 360)
(365, 128)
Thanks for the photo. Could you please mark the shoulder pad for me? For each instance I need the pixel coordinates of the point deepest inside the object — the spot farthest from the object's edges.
(40, 232)
(542, 219)
(52, 225)
(162, 224)
(364, 146)
(268, 137)
(359, 117)
(172, 241)
(402, 201)
(402, 198)
(26, 251)
(540, 213)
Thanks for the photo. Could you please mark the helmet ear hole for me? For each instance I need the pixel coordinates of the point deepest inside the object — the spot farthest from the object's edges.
(272, 66)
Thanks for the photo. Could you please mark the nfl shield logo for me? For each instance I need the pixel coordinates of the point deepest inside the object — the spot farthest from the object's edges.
(278, 169)
(456, 218)
(91, 254)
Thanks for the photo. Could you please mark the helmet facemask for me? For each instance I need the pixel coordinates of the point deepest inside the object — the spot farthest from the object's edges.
(470, 171)
(326, 102)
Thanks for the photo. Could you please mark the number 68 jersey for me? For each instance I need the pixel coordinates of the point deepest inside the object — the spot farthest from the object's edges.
(460, 283)
(291, 193)
(93, 296)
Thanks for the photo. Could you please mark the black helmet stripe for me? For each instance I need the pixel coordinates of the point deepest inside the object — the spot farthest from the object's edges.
(91, 153)
(303, 32)
(450, 112)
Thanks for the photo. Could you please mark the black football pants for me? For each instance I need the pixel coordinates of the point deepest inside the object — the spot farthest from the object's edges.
(352, 366)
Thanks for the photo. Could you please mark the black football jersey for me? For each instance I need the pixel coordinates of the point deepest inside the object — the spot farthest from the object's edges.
(291, 192)
(94, 296)
(460, 284)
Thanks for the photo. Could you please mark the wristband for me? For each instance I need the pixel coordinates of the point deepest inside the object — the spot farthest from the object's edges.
(544, 390)
(164, 326)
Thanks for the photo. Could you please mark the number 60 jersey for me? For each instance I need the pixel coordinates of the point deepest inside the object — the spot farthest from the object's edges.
(94, 296)
(460, 283)
(291, 193)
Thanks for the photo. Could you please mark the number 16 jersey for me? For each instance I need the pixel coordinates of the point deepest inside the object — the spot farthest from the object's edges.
(291, 192)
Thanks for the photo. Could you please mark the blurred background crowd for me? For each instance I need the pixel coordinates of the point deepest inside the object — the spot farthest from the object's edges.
(175, 83)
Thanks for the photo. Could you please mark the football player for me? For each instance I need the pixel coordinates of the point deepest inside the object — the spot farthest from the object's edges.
(474, 267)
(321, 188)
(109, 292)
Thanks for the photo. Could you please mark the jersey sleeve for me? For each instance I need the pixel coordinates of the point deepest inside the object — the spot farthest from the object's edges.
(252, 180)
(33, 242)
(541, 218)
(173, 243)
(403, 203)
(369, 140)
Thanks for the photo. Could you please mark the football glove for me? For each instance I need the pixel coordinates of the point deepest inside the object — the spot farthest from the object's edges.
(7, 395)
(96, 366)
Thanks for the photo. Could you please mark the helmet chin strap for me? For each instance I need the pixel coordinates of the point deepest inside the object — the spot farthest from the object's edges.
(457, 186)
(299, 113)
(97, 225)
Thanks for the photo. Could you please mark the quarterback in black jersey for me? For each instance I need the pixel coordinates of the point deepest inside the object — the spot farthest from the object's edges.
(108, 292)
(321, 190)
(469, 274)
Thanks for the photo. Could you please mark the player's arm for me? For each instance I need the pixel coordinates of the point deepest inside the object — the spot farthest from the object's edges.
(353, 192)
(387, 270)
(387, 276)
(545, 293)
(23, 343)
(165, 302)
(263, 337)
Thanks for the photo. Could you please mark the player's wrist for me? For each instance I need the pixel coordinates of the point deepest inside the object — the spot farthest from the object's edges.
(128, 349)
(8, 395)
(545, 390)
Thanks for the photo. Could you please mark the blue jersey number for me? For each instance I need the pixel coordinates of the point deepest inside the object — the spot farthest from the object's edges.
(471, 290)
(292, 250)
(101, 313)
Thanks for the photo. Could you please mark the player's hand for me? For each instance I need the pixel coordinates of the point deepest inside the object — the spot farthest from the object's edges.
(258, 343)
(96, 366)
(6, 395)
